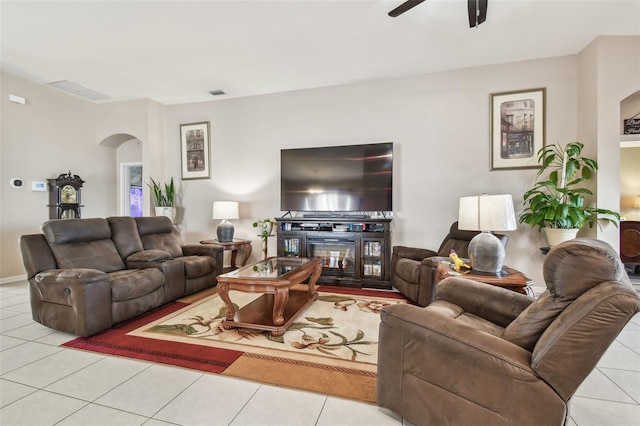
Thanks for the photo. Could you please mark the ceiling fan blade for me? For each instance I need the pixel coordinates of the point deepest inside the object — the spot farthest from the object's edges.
(477, 8)
(404, 7)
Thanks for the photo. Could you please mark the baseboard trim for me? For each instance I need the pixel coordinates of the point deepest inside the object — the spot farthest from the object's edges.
(14, 279)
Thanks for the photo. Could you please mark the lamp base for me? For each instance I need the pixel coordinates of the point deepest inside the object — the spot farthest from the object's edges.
(486, 253)
(225, 231)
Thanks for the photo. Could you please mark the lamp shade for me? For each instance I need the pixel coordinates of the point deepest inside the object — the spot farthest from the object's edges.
(487, 213)
(225, 210)
(636, 203)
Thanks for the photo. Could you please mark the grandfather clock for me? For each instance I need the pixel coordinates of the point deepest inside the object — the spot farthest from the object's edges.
(64, 196)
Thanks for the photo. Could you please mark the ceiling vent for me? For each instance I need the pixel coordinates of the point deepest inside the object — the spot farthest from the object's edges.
(217, 92)
(76, 89)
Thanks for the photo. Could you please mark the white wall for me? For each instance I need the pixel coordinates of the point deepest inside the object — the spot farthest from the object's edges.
(52, 134)
(439, 124)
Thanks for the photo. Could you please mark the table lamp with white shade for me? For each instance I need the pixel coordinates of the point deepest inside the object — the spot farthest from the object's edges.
(487, 213)
(225, 210)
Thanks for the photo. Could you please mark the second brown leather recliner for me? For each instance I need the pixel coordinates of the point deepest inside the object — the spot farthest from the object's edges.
(484, 355)
(413, 270)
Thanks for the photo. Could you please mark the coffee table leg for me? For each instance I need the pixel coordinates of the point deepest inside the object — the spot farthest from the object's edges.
(311, 287)
(281, 297)
(223, 291)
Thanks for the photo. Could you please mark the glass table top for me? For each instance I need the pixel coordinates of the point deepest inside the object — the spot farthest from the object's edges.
(274, 267)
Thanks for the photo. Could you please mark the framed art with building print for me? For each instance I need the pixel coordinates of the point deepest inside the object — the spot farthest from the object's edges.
(517, 128)
(194, 149)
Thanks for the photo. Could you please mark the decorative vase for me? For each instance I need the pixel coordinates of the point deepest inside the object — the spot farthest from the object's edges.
(169, 212)
(556, 236)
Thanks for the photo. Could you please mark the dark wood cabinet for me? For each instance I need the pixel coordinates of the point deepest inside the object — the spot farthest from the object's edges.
(354, 252)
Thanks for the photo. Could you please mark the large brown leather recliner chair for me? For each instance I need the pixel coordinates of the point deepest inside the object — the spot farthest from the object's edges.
(413, 270)
(484, 355)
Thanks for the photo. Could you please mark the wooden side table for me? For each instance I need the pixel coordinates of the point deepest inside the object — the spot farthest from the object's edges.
(513, 280)
(234, 246)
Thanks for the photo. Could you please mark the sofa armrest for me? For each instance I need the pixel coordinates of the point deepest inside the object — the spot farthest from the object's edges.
(202, 250)
(71, 277)
(493, 303)
(215, 251)
(434, 261)
(74, 300)
(412, 253)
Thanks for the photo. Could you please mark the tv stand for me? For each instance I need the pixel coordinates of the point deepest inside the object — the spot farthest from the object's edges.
(355, 251)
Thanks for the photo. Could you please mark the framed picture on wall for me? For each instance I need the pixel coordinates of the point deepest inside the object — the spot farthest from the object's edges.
(517, 128)
(194, 148)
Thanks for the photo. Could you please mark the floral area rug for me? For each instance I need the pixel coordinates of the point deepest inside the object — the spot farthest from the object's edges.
(330, 348)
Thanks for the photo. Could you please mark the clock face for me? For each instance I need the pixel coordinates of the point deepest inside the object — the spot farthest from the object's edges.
(68, 195)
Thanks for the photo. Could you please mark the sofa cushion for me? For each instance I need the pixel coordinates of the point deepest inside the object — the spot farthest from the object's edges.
(134, 283)
(124, 233)
(82, 243)
(158, 233)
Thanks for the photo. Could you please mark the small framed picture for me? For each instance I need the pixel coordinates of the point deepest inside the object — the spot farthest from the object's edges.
(517, 128)
(194, 148)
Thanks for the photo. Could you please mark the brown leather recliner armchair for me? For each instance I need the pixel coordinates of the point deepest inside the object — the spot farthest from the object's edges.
(484, 355)
(413, 270)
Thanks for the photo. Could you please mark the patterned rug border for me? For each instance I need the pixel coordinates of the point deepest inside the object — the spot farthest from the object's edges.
(310, 364)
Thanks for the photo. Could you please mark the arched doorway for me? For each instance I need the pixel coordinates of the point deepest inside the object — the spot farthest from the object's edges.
(130, 198)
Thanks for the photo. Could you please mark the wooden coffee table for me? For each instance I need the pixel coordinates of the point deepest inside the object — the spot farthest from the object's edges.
(511, 279)
(276, 309)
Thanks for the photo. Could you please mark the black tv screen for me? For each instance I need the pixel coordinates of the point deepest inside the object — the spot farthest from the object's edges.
(352, 178)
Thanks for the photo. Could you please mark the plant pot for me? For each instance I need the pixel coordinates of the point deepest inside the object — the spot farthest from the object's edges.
(265, 227)
(169, 212)
(556, 236)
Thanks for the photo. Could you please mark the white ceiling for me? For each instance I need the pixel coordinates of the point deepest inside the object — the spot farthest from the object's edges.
(178, 51)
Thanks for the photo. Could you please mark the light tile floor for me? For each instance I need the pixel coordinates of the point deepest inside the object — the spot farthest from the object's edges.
(44, 384)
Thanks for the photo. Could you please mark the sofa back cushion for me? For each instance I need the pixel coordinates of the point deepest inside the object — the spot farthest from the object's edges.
(124, 233)
(82, 243)
(158, 233)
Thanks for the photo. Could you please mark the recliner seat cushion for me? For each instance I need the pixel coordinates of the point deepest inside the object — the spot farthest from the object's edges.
(134, 283)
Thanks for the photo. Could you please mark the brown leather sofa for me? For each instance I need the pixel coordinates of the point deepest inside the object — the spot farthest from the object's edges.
(484, 355)
(413, 270)
(86, 275)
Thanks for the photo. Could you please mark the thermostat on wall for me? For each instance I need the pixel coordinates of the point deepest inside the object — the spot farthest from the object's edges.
(39, 186)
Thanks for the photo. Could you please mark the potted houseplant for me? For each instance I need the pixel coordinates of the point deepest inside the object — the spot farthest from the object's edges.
(163, 198)
(265, 227)
(556, 201)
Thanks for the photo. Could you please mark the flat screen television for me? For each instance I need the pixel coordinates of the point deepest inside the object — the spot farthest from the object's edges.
(352, 178)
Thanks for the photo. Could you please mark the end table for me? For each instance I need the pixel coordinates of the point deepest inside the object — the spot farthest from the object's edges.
(513, 280)
(234, 246)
